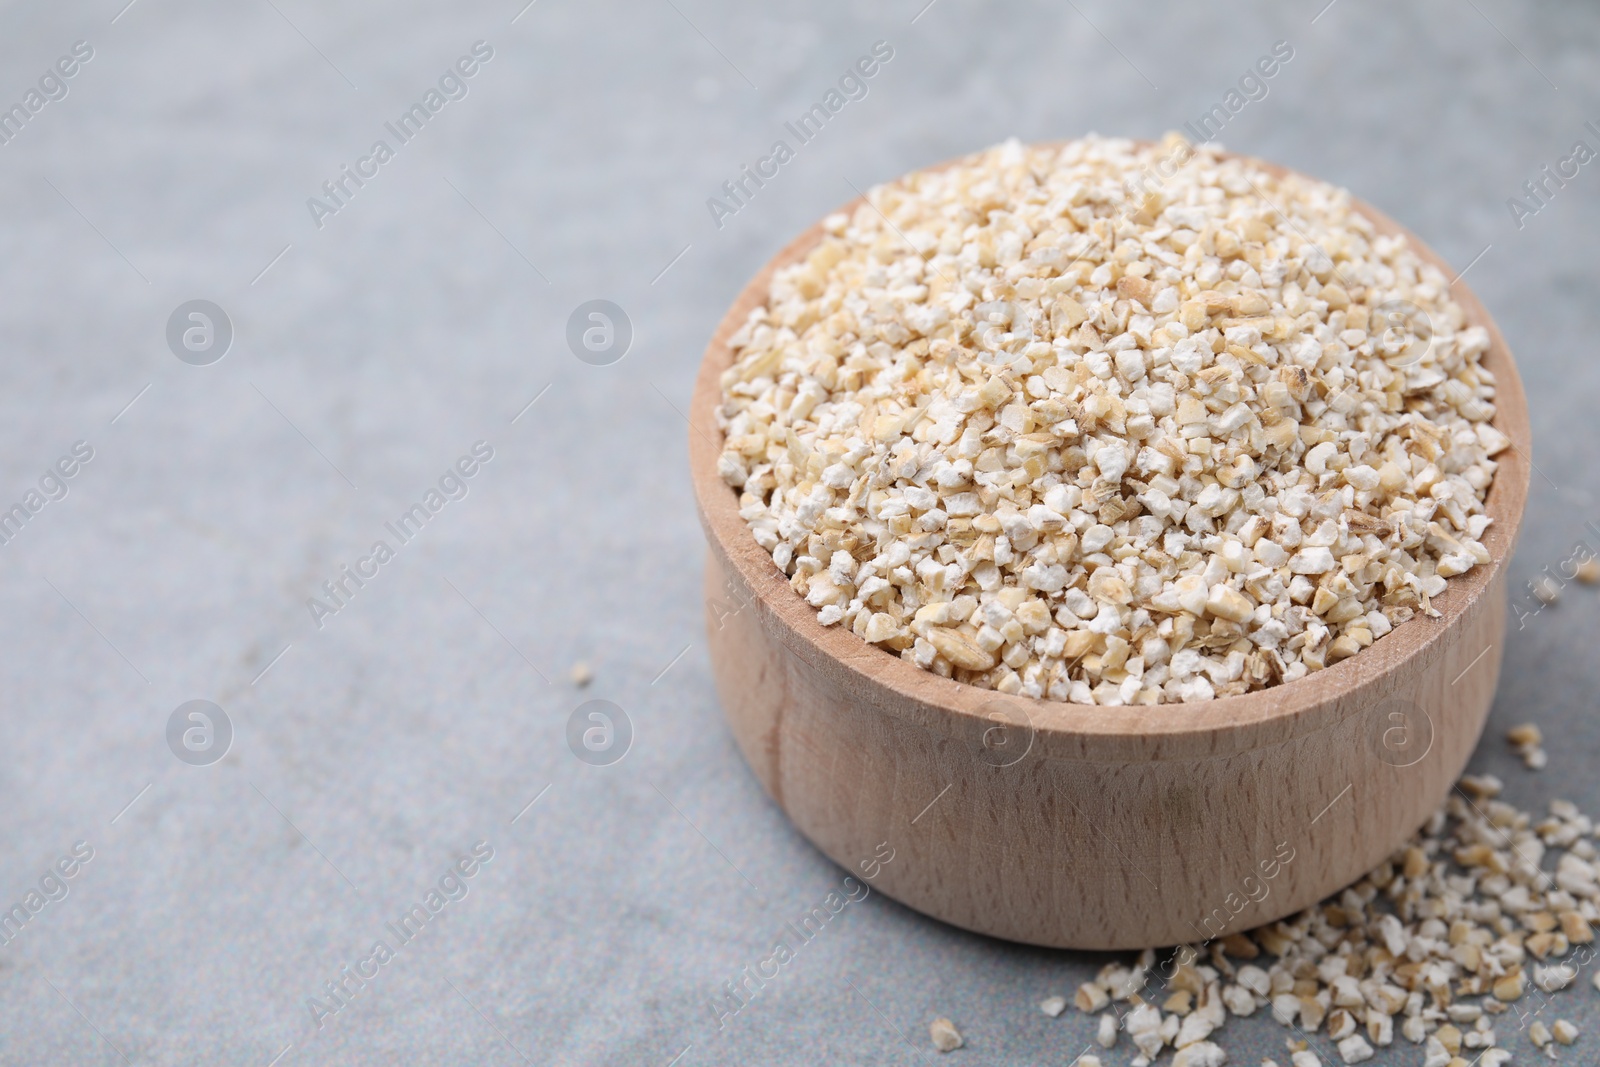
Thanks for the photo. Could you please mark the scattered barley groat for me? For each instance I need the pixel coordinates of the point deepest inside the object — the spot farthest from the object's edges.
(581, 674)
(1526, 734)
(1354, 1049)
(1431, 948)
(1090, 998)
(1588, 571)
(946, 1038)
(1200, 1054)
(1053, 1006)
(1508, 988)
(1525, 740)
(1045, 424)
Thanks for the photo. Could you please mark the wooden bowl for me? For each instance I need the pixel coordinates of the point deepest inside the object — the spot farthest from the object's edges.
(1099, 827)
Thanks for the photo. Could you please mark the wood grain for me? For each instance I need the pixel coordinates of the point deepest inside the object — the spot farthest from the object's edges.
(1099, 827)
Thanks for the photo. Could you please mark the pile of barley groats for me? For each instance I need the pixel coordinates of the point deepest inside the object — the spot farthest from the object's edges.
(1112, 424)
(1457, 944)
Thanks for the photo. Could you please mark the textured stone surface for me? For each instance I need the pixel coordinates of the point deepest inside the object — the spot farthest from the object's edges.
(421, 318)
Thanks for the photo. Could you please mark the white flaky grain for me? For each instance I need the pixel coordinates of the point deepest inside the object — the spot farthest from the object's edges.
(1112, 424)
(1482, 919)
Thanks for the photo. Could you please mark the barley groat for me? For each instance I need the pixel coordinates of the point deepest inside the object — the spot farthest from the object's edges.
(1458, 943)
(1112, 423)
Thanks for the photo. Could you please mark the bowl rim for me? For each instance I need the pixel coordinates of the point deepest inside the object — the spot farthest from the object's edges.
(1168, 730)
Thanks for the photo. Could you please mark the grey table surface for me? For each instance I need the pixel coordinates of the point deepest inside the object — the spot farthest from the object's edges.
(374, 747)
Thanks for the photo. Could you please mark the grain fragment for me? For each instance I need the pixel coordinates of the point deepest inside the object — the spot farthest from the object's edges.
(962, 652)
(1576, 927)
(1508, 988)
(1564, 1032)
(1526, 741)
(1053, 1006)
(1526, 734)
(1090, 998)
(1201, 1054)
(1240, 947)
(1354, 1049)
(581, 674)
(1550, 979)
(946, 1038)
